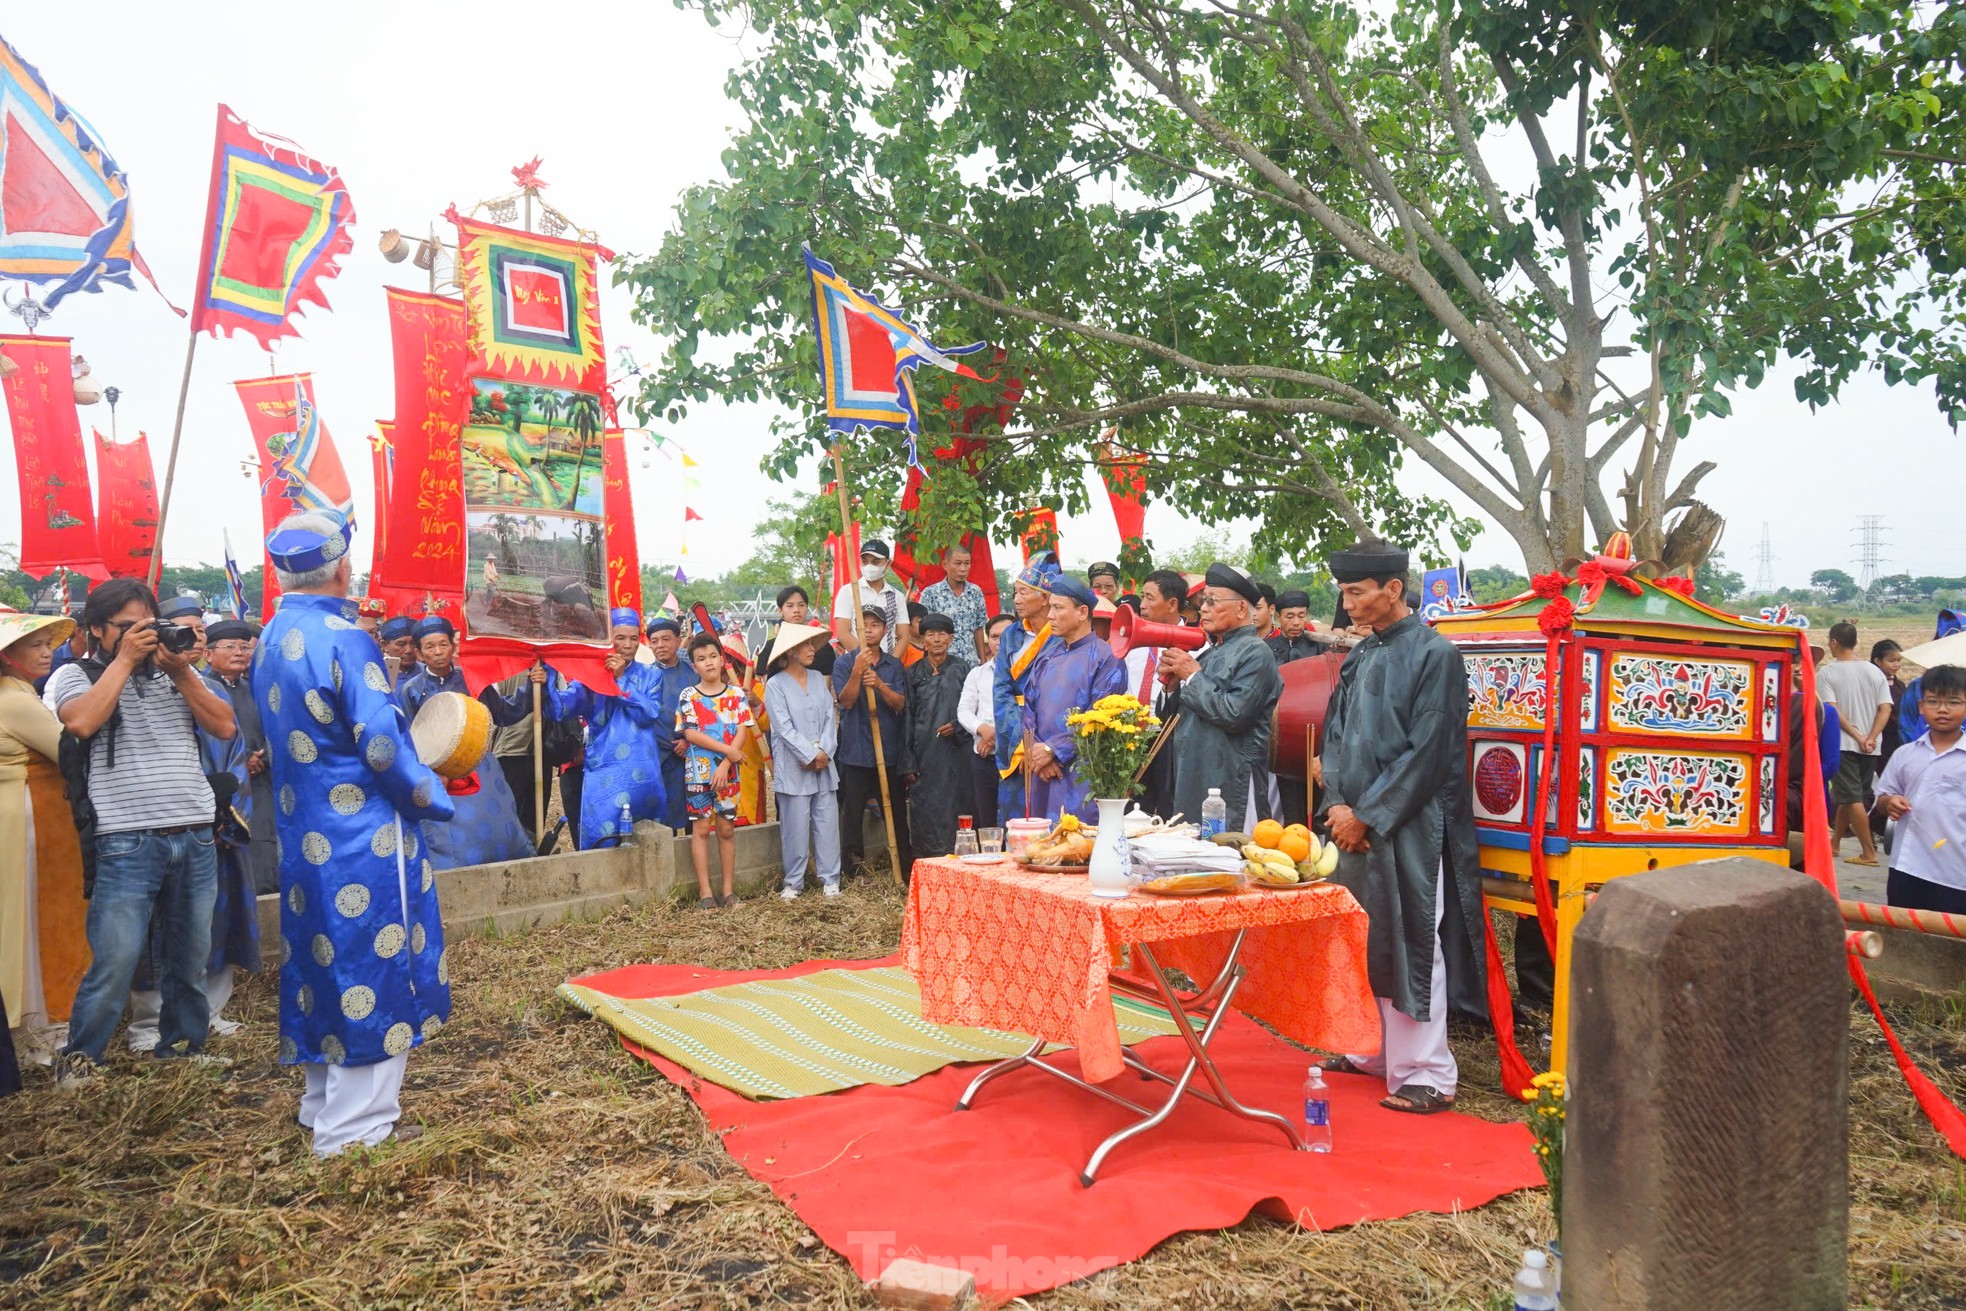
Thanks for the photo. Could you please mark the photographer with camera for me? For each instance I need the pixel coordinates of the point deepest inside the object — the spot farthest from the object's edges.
(144, 814)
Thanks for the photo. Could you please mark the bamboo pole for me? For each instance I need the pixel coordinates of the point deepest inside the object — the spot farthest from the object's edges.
(1937, 923)
(170, 464)
(538, 768)
(873, 708)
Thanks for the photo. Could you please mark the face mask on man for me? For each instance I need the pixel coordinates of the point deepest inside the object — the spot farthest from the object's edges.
(873, 573)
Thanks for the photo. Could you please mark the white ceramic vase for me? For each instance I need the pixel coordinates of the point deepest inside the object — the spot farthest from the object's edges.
(1111, 872)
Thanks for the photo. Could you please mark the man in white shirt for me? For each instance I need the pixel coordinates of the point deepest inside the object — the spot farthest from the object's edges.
(1160, 602)
(977, 714)
(1862, 696)
(1923, 787)
(875, 592)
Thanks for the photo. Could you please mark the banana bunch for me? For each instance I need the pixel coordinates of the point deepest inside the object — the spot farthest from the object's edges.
(1268, 865)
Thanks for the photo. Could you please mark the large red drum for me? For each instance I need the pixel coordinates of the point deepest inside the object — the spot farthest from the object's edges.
(1307, 688)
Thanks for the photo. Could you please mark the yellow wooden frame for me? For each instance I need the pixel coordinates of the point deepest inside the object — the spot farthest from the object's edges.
(1574, 878)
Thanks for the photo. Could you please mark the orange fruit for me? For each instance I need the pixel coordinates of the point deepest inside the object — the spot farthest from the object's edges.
(1267, 833)
(1295, 843)
(1298, 829)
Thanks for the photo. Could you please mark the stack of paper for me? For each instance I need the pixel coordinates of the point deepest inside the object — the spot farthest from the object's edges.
(1160, 854)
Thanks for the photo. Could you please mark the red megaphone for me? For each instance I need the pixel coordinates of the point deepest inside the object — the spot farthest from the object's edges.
(1130, 631)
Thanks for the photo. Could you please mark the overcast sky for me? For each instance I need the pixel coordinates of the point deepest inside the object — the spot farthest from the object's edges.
(422, 106)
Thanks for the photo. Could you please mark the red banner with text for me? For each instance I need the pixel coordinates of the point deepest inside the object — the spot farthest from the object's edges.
(624, 554)
(57, 518)
(426, 497)
(126, 506)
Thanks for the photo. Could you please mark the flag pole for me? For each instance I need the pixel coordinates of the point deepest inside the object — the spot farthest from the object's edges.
(170, 465)
(873, 709)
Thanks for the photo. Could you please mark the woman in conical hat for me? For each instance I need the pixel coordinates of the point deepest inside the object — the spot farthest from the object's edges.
(43, 947)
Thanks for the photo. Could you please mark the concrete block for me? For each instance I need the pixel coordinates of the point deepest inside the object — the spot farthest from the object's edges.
(1706, 1154)
(922, 1287)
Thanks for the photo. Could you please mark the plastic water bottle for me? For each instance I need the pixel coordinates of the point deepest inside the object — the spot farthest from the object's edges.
(1317, 1112)
(1535, 1288)
(625, 825)
(1214, 815)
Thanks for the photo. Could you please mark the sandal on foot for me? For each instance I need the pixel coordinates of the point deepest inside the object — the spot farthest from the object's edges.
(1870, 861)
(729, 902)
(1342, 1065)
(706, 903)
(1418, 1099)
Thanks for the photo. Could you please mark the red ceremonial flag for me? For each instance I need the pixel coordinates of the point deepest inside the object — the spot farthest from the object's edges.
(689, 515)
(1040, 531)
(300, 468)
(968, 450)
(126, 506)
(57, 520)
(1125, 476)
(426, 501)
(276, 226)
(624, 556)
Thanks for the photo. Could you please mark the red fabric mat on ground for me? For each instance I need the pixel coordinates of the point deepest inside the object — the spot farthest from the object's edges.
(879, 1173)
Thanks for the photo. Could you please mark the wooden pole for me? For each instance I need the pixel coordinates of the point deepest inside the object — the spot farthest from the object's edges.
(1166, 732)
(1310, 772)
(1937, 923)
(538, 769)
(170, 464)
(873, 709)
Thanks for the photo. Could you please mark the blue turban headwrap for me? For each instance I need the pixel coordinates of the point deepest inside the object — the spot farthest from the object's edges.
(1040, 572)
(1069, 586)
(622, 617)
(434, 624)
(299, 550)
(400, 626)
(664, 624)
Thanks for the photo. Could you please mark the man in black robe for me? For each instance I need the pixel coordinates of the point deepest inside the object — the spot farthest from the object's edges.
(940, 749)
(1396, 801)
(1225, 700)
(229, 657)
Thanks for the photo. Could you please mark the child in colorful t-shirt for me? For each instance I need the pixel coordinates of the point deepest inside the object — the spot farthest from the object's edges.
(714, 717)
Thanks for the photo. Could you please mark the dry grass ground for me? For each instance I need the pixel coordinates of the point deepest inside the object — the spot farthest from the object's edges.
(559, 1172)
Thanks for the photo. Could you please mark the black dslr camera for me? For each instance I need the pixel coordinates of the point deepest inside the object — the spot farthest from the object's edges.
(175, 638)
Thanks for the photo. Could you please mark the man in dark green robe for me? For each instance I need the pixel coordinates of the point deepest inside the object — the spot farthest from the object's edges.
(1225, 698)
(938, 749)
(1396, 801)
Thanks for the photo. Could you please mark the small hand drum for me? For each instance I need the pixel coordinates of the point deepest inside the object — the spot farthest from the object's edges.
(451, 733)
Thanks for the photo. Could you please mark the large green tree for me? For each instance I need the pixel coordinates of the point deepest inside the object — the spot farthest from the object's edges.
(1292, 248)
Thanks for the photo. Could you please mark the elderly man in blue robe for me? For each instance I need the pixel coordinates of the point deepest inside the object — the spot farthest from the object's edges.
(1017, 651)
(363, 975)
(436, 645)
(626, 739)
(1072, 673)
(398, 638)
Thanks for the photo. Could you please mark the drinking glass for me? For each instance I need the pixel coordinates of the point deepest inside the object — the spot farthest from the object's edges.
(966, 842)
(991, 840)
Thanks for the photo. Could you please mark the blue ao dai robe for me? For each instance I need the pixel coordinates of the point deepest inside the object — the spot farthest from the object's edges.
(624, 761)
(1007, 700)
(363, 975)
(1066, 678)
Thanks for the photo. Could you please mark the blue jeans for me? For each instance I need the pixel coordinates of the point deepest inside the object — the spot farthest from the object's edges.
(174, 875)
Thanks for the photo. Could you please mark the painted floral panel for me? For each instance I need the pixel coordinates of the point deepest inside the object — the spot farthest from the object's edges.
(1675, 792)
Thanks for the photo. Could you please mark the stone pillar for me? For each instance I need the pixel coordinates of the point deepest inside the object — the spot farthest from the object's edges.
(1706, 1158)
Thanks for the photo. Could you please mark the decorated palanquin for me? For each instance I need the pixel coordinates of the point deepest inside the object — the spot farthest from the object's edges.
(1667, 742)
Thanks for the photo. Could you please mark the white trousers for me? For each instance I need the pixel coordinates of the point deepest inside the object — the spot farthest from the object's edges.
(1416, 1051)
(349, 1104)
(809, 833)
(146, 1008)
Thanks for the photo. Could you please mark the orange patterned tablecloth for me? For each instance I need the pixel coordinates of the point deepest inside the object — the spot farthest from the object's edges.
(1001, 947)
